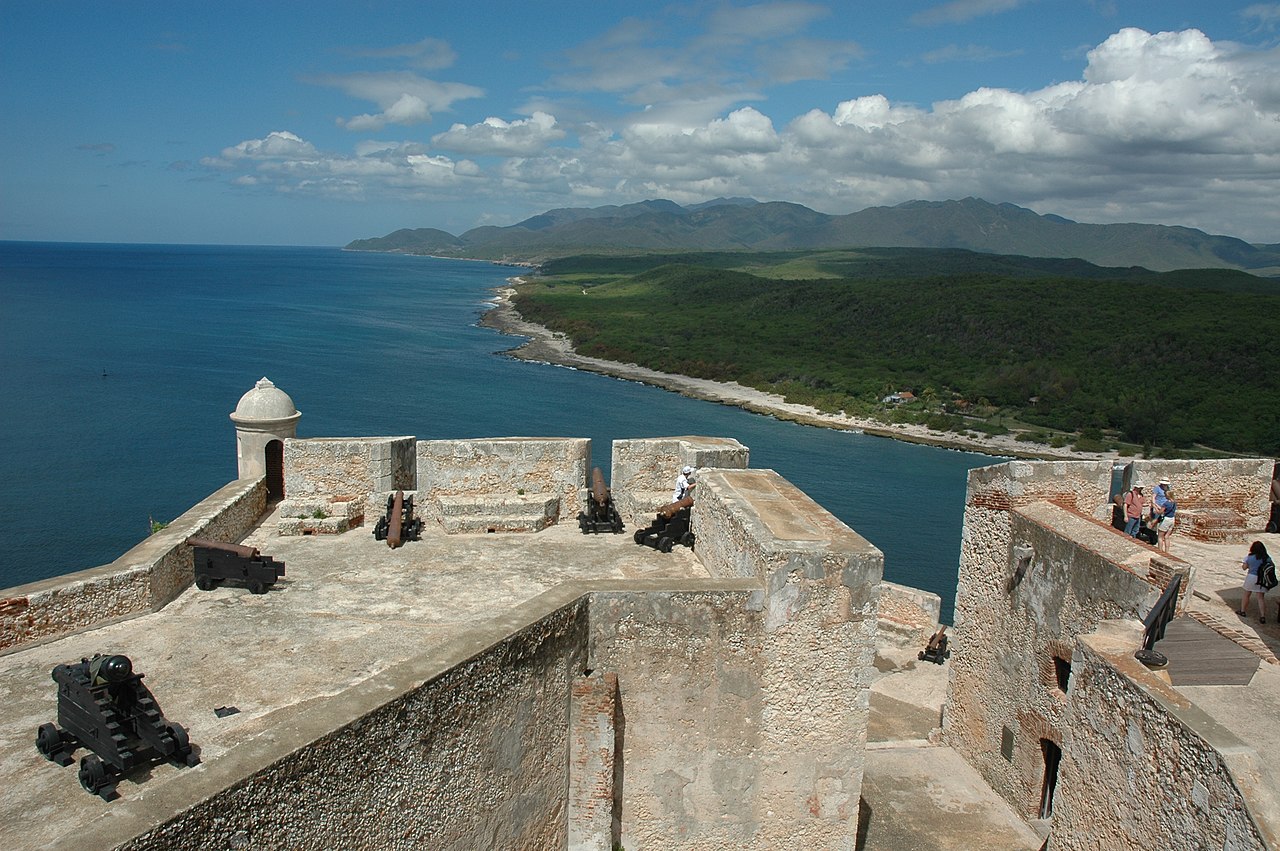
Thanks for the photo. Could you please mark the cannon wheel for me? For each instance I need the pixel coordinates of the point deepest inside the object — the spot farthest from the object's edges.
(93, 774)
(1273, 527)
(665, 544)
(257, 586)
(205, 582)
(639, 535)
(183, 754)
(48, 741)
(687, 539)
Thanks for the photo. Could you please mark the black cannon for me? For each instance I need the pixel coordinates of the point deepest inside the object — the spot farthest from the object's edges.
(601, 515)
(669, 528)
(398, 524)
(936, 650)
(216, 562)
(103, 705)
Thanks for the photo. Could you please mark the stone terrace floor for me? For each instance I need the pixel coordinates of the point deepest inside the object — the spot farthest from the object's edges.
(350, 608)
(1215, 597)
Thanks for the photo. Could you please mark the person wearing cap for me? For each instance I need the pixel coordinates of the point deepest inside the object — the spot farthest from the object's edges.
(1168, 519)
(1135, 505)
(1159, 497)
(684, 483)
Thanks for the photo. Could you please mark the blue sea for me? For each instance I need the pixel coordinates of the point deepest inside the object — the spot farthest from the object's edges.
(122, 363)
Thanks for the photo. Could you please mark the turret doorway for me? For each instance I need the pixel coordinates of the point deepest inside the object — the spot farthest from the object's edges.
(275, 470)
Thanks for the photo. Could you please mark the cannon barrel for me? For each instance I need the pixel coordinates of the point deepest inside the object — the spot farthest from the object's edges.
(395, 521)
(599, 492)
(222, 546)
(669, 511)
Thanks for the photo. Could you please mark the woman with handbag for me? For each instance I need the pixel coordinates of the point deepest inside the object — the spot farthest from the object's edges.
(1252, 566)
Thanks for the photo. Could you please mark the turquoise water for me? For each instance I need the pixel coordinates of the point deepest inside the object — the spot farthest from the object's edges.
(121, 364)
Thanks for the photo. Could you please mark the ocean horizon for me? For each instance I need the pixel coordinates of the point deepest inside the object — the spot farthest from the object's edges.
(126, 360)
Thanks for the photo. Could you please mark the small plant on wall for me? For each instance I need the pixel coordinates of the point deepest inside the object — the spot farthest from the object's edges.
(156, 525)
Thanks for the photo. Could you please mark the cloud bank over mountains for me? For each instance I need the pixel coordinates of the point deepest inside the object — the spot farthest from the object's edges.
(1167, 127)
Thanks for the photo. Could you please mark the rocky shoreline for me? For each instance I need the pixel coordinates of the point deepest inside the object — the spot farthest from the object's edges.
(546, 346)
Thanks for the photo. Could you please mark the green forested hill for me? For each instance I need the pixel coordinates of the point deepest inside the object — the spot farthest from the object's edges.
(1168, 360)
(744, 225)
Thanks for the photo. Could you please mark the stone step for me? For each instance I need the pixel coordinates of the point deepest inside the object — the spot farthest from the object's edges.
(521, 513)
(324, 515)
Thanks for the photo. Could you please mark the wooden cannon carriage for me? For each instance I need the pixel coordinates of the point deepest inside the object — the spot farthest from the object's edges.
(217, 562)
(601, 514)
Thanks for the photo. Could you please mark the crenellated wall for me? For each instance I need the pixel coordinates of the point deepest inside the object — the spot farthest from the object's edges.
(510, 470)
(142, 580)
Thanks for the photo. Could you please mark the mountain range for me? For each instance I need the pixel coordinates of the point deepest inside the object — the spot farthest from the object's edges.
(743, 224)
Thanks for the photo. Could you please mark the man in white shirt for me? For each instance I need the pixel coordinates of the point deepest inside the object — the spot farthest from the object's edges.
(684, 483)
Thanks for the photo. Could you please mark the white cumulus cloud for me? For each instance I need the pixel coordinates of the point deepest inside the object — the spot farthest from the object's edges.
(403, 97)
(497, 137)
(1166, 127)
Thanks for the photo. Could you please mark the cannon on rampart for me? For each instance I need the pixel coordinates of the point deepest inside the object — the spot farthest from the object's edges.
(216, 562)
(103, 705)
(601, 515)
(670, 527)
(398, 524)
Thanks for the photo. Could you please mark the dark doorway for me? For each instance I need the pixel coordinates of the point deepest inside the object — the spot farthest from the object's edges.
(275, 470)
(1052, 757)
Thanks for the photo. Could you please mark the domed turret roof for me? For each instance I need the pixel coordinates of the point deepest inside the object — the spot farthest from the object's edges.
(265, 403)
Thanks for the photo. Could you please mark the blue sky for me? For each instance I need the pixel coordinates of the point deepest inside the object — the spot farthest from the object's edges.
(320, 122)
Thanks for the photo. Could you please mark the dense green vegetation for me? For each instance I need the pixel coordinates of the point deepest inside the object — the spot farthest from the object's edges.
(1167, 362)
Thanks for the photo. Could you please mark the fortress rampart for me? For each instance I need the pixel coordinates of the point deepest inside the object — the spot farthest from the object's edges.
(142, 580)
(556, 690)
(1041, 569)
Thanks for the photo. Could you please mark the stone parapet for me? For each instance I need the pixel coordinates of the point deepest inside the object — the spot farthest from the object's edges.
(503, 468)
(463, 747)
(909, 613)
(142, 580)
(644, 470)
(1145, 768)
(354, 467)
(1084, 486)
(813, 621)
(1221, 500)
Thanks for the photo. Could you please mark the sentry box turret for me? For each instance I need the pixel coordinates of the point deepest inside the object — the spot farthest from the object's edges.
(215, 562)
(103, 705)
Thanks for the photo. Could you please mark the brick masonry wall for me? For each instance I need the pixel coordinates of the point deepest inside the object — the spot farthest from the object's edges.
(142, 580)
(501, 467)
(594, 811)
(1218, 500)
(1137, 774)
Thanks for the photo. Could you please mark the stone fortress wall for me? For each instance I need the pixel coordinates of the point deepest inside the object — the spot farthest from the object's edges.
(142, 580)
(1041, 573)
(730, 712)
(1146, 769)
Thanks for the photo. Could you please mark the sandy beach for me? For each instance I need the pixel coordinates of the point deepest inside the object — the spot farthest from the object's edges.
(545, 346)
